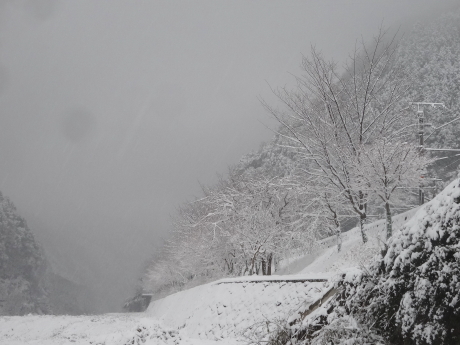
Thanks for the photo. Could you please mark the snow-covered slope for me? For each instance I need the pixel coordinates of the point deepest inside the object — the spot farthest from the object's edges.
(234, 307)
(374, 229)
(228, 311)
(222, 311)
(354, 252)
(411, 294)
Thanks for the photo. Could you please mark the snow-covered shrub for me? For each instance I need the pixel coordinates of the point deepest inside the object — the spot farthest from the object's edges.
(411, 295)
(346, 330)
(271, 332)
(340, 330)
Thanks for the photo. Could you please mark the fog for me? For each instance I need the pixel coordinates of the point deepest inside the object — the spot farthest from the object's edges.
(113, 112)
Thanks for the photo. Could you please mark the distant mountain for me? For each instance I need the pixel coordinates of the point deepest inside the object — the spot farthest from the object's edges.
(67, 297)
(430, 55)
(27, 284)
(22, 265)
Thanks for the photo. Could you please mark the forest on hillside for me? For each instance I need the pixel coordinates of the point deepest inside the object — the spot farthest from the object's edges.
(347, 148)
(27, 282)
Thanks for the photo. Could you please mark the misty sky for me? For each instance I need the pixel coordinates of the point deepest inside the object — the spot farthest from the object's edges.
(113, 112)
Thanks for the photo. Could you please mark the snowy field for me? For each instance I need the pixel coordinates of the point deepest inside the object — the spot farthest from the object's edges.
(109, 329)
(228, 311)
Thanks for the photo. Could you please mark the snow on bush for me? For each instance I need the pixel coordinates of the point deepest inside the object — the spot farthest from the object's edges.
(347, 331)
(411, 295)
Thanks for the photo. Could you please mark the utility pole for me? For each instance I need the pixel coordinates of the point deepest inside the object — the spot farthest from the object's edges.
(421, 133)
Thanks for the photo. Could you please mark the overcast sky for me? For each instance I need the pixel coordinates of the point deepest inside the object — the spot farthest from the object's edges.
(113, 112)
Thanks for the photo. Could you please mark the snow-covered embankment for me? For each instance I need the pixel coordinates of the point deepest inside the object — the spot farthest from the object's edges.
(235, 307)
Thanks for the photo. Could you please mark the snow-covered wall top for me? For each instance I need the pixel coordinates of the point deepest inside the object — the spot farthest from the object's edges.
(223, 309)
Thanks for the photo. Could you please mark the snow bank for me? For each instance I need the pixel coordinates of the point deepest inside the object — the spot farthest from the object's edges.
(234, 307)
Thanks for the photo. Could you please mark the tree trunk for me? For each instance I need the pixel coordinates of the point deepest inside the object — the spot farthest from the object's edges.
(362, 221)
(339, 239)
(229, 264)
(269, 264)
(389, 220)
(253, 265)
(362, 215)
(264, 267)
(246, 268)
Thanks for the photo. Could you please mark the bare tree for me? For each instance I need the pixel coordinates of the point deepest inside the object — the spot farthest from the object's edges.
(333, 113)
(387, 166)
(261, 220)
(320, 206)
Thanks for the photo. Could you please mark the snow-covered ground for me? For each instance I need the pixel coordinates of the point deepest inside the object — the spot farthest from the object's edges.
(227, 311)
(232, 307)
(108, 329)
(354, 252)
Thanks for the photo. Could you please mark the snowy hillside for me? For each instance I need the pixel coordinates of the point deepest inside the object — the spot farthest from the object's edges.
(235, 306)
(354, 252)
(407, 295)
(228, 311)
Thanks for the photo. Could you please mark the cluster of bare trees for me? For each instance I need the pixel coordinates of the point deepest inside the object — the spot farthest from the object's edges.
(241, 226)
(350, 127)
(346, 141)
